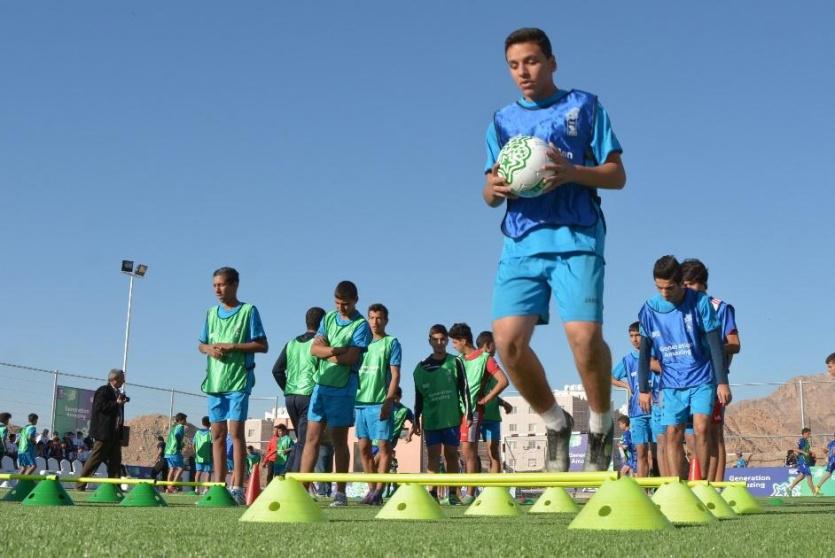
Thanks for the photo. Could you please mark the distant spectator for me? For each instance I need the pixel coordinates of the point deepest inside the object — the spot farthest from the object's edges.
(160, 468)
(53, 450)
(253, 457)
(741, 462)
(4, 432)
(83, 455)
(43, 437)
(830, 364)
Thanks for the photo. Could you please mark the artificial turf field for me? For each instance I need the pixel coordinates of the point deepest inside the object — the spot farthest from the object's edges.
(803, 525)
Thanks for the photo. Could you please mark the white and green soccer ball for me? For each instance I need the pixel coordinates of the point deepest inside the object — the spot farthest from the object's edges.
(520, 164)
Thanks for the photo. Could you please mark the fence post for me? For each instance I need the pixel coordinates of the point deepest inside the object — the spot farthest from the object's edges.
(275, 410)
(802, 409)
(171, 413)
(54, 398)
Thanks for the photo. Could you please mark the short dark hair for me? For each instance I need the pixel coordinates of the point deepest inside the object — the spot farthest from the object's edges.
(530, 35)
(694, 271)
(377, 307)
(805, 430)
(313, 318)
(5, 417)
(205, 421)
(830, 359)
(623, 419)
(281, 427)
(668, 268)
(346, 290)
(634, 326)
(229, 273)
(180, 416)
(33, 417)
(438, 328)
(484, 338)
(461, 331)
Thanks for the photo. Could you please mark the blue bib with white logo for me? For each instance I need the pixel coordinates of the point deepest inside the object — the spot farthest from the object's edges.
(568, 123)
(678, 339)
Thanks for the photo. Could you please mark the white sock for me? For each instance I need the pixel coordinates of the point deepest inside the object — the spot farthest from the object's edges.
(236, 488)
(599, 423)
(554, 418)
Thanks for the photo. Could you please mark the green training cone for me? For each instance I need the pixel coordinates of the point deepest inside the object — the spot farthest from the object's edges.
(217, 497)
(20, 491)
(411, 501)
(284, 501)
(678, 504)
(713, 502)
(740, 500)
(620, 505)
(106, 494)
(143, 496)
(48, 492)
(555, 499)
(494, 501)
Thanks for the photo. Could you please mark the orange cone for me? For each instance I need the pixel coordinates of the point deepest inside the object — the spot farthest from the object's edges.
(695, 470)
(253, 489)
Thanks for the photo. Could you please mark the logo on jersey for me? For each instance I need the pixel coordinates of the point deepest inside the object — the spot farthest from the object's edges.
(688, 322)
(571, 119)
(655, 333)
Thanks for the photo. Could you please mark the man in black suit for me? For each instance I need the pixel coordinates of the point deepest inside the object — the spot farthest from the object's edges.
(106, 424)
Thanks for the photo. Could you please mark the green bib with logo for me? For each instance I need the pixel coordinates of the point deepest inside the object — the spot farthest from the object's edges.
(328, 373)
(439, 389)
(228, 373)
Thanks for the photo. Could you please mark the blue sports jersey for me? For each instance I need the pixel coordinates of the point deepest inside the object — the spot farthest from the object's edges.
(830, 451)
(628, 446)
(804, 446)
(256, 329)
(362, 338)
(726, 315)
(627, 371)
(678, 339)
(584, 131)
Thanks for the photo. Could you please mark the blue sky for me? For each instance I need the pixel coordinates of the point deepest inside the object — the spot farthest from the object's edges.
(305, 144)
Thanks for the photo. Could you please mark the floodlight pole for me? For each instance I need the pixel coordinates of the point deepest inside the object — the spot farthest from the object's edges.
(127, 325)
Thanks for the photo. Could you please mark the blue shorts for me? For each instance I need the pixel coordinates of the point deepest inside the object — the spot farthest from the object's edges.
(447, 436)
(336, 410)
(524, 285)
(27, 458)
(803, 467)
(233, 405)
(658, 429)
(680, 403)
(203, 467)
(174, 461)
(369, 425)
(491, 431)
(640, 428)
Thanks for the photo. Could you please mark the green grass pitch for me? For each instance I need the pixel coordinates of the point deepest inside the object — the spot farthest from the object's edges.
(803, 526)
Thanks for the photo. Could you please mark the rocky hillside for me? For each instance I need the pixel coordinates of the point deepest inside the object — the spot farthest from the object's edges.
(770, 425)
(143, 439)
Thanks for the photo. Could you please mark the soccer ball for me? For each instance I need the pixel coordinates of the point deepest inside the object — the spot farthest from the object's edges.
(520, 165)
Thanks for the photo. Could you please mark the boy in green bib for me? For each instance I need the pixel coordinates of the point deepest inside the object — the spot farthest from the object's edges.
(26, 446)
(232, 334)
(4, 432)
(379, 379)
(442, 400)
(491, 425)
(339, 343)
(174, 449)
(294, 373)
(485, 381)
(202, 443)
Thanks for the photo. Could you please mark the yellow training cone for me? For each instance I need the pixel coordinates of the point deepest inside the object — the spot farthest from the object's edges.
(411, 501)
(621, 505)
(494, 501)
(554, 500)
(284, 501)
(740, 500)
(678, 504)
(713, 502)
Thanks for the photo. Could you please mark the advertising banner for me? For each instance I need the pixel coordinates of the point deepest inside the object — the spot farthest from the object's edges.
(73, 407)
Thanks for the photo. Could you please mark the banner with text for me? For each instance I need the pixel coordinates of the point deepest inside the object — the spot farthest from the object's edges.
(73, 407)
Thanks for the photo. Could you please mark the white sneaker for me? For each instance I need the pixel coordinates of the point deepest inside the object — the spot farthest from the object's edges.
(238, 495)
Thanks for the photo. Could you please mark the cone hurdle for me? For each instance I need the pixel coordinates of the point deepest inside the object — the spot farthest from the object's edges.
(143, 496)
(48, 492)
(217, 497)
(413, 502)
(621, 505)
(494, 501)
(284, 500)
(740, 500)
(678, 504)
(20, 491)
(555, 499)
(106, 493)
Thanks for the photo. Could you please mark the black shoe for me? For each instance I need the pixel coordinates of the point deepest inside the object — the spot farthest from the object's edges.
(557, 460)
(599, 451)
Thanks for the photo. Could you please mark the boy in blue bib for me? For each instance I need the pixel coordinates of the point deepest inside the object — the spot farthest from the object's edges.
(680, 326)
